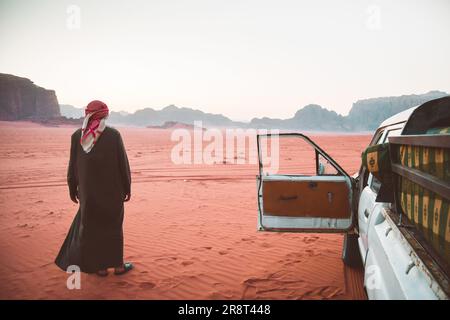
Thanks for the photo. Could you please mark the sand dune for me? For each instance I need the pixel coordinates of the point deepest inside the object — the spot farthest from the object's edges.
(190, 230)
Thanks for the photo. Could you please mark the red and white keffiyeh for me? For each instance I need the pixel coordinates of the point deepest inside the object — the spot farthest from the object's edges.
(94, 123)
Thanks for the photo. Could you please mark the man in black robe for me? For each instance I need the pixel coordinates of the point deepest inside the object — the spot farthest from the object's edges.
(99, 179)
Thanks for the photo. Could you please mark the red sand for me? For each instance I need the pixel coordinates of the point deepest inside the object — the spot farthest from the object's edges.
(190, 230)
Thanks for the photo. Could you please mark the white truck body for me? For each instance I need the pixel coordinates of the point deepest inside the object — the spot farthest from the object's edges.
(392, 269)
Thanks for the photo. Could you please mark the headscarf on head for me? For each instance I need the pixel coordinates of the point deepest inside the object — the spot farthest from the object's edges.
(93, 124)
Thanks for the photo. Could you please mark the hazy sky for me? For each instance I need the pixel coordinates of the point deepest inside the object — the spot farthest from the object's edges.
(240, 58)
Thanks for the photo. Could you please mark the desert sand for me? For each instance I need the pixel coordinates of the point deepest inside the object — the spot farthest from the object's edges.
(190, 230)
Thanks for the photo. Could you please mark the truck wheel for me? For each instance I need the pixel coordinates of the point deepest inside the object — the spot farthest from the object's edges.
(350, 251)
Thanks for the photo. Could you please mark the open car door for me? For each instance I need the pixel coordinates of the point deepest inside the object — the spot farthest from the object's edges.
(306, 191)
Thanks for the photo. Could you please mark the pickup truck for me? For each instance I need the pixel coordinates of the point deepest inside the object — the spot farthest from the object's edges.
(404, 254)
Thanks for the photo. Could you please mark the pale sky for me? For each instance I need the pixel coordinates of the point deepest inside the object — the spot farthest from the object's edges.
(241, 58)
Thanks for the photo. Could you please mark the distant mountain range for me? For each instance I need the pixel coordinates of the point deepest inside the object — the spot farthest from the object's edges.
(21, 99)
(151, 117)
(365, 115)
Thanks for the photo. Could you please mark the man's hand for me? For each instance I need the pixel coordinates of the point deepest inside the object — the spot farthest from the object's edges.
(127, 197)
(74, 197)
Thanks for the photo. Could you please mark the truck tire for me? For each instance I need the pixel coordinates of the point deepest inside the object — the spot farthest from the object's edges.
(350, 251)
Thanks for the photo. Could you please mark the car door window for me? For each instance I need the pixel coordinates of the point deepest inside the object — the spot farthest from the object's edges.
(375, 184)
(393, 133)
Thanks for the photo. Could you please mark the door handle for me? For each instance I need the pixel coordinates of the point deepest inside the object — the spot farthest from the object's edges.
(366, 213)
(410, 266)
(387, 231)
(312, 184)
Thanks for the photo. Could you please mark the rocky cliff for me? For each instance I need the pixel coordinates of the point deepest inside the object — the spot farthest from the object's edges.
(365, 115)
(368, 114)
(21, 99)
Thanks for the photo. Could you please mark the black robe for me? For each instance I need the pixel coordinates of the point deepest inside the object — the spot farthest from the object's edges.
(102, 179)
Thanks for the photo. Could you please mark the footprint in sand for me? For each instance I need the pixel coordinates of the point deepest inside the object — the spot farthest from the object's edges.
(122, 284)
(312, 253)
(147, 285)
(248, 240)
(166, 259)
(291, 260)
(216, 295)
(223, 252)
(310, 239)
(326, 292)
(187, 263)
(271, 286)
(202, 248)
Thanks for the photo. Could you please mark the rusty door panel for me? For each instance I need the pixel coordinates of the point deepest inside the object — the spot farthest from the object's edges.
(316, 199)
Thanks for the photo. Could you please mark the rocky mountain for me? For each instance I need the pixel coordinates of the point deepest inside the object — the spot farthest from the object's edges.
(153, 118)
(314, 117)
(176, 125)
(70, 111)
(21, 99)
(311, 117)
(365, 115)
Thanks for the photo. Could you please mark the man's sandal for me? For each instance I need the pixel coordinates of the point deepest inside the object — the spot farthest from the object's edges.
(127, 266)
(102, 273)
